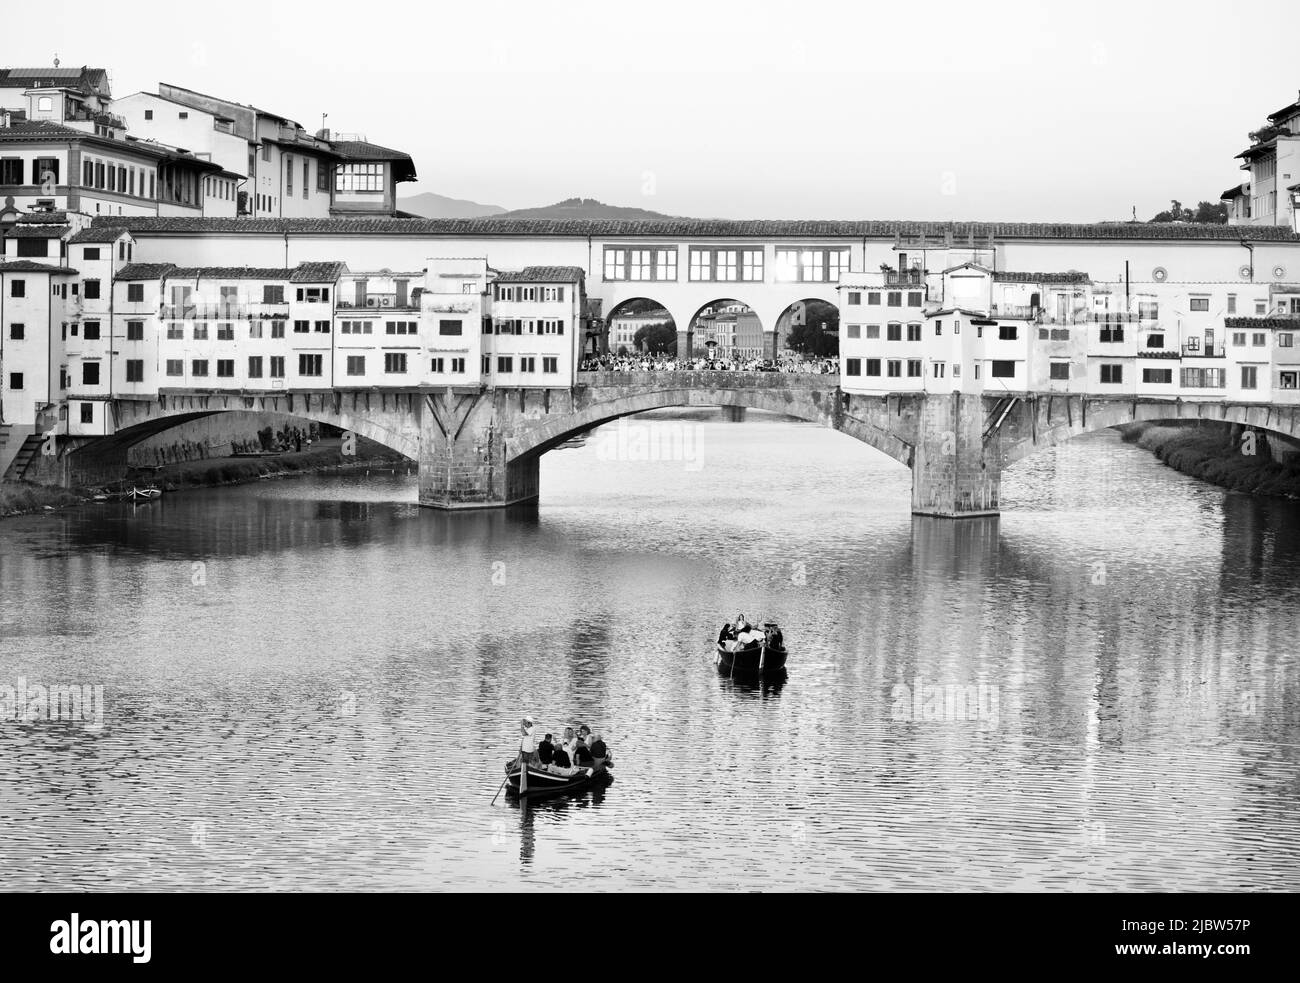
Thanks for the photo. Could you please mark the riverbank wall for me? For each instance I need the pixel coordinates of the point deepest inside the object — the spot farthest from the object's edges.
(1224, 455)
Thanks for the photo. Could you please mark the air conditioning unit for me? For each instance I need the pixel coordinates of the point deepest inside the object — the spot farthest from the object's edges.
(372, 301)
(385, 301)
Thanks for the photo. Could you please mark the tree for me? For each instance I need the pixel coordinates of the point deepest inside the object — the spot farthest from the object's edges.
(1209, 212)
(815, 329)
(656, 339)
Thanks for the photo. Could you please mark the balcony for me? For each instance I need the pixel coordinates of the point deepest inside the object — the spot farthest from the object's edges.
(904, 278)
(1023, 312)
(1195, 350)
(381, 302)
(225, 312)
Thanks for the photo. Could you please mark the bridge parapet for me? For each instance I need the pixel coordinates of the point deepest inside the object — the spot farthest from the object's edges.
(706, 379)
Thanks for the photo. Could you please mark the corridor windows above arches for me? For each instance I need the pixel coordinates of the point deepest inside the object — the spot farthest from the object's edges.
(726, 265)
(824, 265)
(640, 264)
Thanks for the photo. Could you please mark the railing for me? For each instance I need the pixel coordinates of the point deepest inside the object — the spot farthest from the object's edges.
(1024, 311)
(905, 278)
(381, 302)
(225, 312)
(1196, 351)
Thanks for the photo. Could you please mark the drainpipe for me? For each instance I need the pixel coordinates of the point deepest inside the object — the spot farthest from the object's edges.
(1251, 249)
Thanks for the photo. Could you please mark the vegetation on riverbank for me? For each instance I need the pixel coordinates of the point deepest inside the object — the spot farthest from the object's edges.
(1211, 454)
(22, 497)
(18, 497)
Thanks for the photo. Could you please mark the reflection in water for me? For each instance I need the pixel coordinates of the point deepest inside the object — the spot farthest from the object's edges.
(313, 684)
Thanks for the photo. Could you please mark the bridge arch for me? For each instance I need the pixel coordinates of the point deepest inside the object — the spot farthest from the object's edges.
(733, 326)
(1038, 429)
(814, 405)
(810, 312)
(628, 316)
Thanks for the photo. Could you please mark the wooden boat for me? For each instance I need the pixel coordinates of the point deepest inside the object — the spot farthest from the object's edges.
(766, 657)
(145, 494)
(542, 782)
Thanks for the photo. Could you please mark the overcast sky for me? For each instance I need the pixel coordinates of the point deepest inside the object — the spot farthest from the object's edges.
(1028, 112)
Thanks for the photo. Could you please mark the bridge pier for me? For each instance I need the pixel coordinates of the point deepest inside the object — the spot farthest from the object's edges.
(952, 475)
(463, 455)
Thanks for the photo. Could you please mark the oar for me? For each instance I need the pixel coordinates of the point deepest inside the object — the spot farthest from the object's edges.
(503, 785)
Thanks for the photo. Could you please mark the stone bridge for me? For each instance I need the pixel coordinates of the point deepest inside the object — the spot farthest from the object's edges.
(479, 447)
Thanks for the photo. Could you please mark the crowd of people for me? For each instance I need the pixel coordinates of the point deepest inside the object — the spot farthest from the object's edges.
(671, 363)
(578, 748)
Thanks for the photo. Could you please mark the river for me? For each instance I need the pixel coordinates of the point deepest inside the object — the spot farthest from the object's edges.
(313, 684)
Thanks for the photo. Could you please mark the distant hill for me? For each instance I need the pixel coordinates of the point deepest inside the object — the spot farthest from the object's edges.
(429, 205)
(586, 208)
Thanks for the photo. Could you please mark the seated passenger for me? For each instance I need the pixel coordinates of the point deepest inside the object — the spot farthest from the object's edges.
(600, 753)
(560, 764)
(583, 757)
(545, 750)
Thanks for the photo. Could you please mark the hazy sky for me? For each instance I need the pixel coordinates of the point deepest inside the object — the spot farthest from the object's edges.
(1036, 111)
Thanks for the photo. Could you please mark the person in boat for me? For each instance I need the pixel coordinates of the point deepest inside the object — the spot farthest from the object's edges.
(747, 635)
(527, 743)
(545, 750)
(600, 753)
(568, 742)
(561, 763)
(582, 756)
(727, 633)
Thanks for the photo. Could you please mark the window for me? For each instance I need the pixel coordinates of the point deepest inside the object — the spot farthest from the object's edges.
(894, 299)
(175, 330)
(487, 363)
(357, 364)
(824, 265)
(200, 331)
(873, 366)
(17, 288)
(310, 365)
(913, 332)
(394, 362)
(1148, 310)
(199, 367)
(255, 366)
(1111, 374)
(11, 171)
(89, 253)
(458, 365)
(323, 327)
(1232, 303)
(1002, 369)
(854, 331)
(894, 368)
(323, 174)
(314, 295)
(1284, 339)
(1200, 303)
(32, 248)
(1155, 341)
(1288, 380)
(894, 332)
(437, 366)
(855, 298)
(939, 368)
(914, 368)
(505, 363)
(1006, 332)
(1259, 339)
(1158, 376)
(450, 327)
(91, 291)
(873, 299)
(277, 329)
(266, 151)
(1059, 371)
(550, 364)
(301, 327)
(277, 367)
(17, 332)
(1239, 338)
(938, 329)
(135, 293)
(225, 331)
(403, 327)
(1249, 374)
(726, 264)
(175, 367)
(91, 332)
(359, 177)
(272, 294)
(853, 366)
(15, 380)
(135, 331)
(225, 368)
(528, 363)
(288, 174)
(873, 332)
(87, 412)
(914, 300)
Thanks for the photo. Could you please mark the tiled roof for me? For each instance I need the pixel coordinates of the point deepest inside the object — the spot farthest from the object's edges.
(1073, 276)
(43, 131)
(1284, 323)
(144, 271)
(36, 231)
(544, 274)
(317, 272)
(228, 273)
(105, 234)
(1232, 192)
(27, 266)
(1284, 112)
(82, 79)
(678, 228)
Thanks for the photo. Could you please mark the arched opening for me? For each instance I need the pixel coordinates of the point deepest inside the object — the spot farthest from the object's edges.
(808, 328)
(726, 330)
(641, 325)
